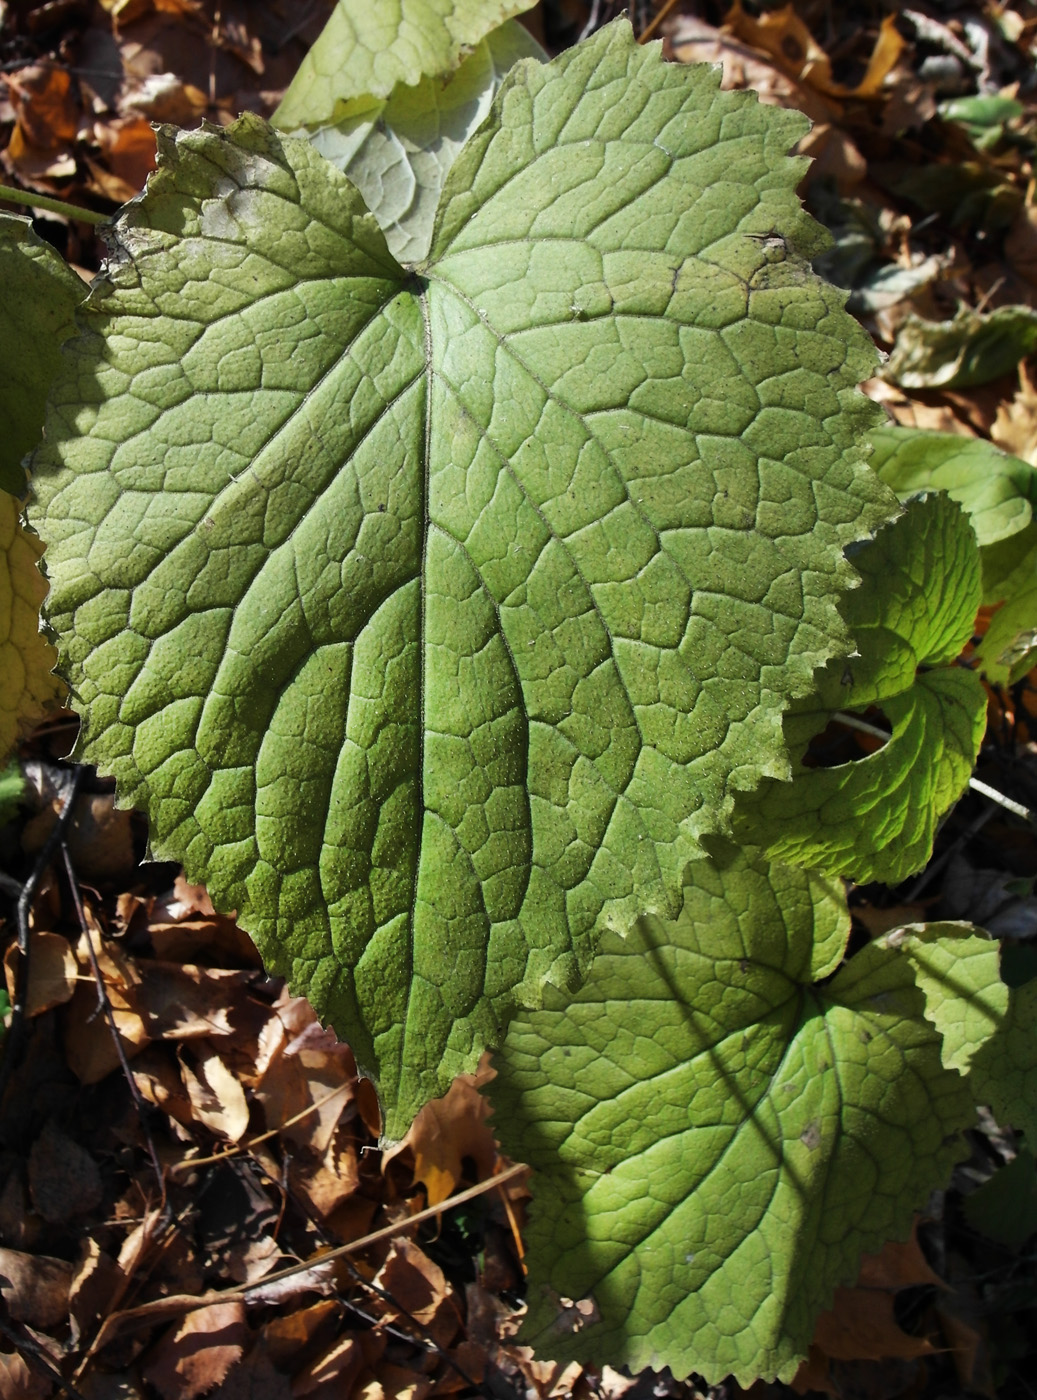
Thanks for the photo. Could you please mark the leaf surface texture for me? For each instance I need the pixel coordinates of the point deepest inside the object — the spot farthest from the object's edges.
(434, 615)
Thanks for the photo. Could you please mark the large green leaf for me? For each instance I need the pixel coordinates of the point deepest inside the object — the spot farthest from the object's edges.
(397, 151)
(38, 300)
(874, 819)
(715, 1137)
(433, 616)
(368, 47)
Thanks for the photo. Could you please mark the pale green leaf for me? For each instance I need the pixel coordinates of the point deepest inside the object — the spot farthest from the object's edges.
(37, 312)
(715, 1137)
(1003, 1071)
(875, 818)
(1009, 645)
(434, 616)
(398, 151)
(997, 490)
(368, 47)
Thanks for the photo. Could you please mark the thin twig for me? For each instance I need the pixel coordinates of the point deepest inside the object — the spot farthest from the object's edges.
(161, 1308)
(16, 1031)
(654, 23)
(106, 1006)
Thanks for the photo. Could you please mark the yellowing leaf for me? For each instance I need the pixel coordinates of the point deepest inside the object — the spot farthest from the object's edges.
(28, 685)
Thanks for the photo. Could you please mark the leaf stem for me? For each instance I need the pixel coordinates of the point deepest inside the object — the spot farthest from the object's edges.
(52, 206)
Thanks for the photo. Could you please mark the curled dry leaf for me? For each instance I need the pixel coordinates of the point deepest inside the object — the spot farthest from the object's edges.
(216, 1095)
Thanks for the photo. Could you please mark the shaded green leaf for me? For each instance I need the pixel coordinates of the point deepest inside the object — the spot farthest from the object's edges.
(1005, 1207)
(715, 1137)
(874, 819)
(434, 616)
(397, 151)
(366, 49)
(37, 312)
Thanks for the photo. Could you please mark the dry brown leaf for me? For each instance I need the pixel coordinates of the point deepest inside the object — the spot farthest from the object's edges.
(783, 35)
(195, 1355)
(861, 1324)
(414, 1282)
(18, 1382)
(35, 1288)
(295, 1337)
(96, 1279)
(296, 1082)
(185, 1002)
(446, 1131)
(52, 972)
(89, 1048)
(692, 40)
(100, 835)
(216, 1096)
(325, 1182)
(331, 1376)
(46, 105)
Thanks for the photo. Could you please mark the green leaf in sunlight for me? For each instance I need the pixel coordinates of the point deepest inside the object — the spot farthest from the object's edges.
(433, 615)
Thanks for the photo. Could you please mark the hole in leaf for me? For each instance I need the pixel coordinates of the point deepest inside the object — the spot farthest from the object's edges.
(850, 735)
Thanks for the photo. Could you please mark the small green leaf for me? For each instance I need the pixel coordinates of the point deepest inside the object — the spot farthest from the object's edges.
(998, 491)
(37, 313)
(874, 819)
(974, 348)
(12, 789)
(716, 1138)
(434, 615)
(368, 47)
(398, 151)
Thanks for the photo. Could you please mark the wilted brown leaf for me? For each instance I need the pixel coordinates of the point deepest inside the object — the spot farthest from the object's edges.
(64, 1180)
(414, 1282)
